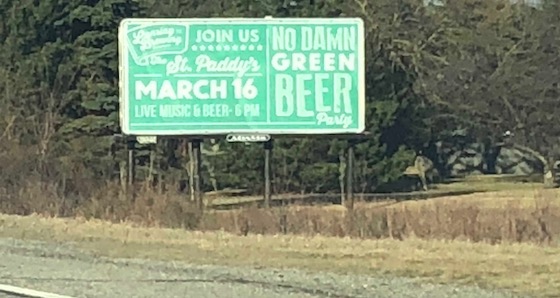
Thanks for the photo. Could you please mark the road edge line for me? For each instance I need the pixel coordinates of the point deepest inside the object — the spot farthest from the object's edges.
(28, 292)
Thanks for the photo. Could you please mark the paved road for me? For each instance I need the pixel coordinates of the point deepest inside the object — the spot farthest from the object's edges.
(64, 270)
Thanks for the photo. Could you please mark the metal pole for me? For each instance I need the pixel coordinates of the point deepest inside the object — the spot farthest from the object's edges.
(197, 160)
(350, 175)
(189, 145)
(267, 173)
(131, 166)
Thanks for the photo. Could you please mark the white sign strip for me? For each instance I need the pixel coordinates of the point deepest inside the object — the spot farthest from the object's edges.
(146, 139)
(28, 292)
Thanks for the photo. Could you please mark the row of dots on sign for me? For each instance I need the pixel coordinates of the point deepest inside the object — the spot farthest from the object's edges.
(227, 47)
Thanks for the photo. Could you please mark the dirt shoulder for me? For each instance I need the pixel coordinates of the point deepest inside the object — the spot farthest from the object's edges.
(87, 259)
(65, 270)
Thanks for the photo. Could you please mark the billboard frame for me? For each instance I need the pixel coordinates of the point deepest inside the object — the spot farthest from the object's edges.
(123, 53)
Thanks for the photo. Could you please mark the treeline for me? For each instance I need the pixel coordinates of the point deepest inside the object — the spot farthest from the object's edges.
(482, 66)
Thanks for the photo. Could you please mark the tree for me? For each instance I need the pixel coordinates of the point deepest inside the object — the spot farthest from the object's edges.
(498, 72)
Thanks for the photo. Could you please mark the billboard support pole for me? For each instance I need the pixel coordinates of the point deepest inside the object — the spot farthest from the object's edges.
(130, 142)
(349, 198)
(267, 173)
(197, 160)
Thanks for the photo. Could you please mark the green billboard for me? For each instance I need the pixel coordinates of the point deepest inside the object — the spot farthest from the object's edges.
(228, 75)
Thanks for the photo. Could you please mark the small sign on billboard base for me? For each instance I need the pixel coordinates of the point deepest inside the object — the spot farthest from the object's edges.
(146, 140)
(248, 138)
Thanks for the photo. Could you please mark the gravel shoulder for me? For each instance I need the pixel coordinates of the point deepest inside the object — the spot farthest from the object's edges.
(65, 270)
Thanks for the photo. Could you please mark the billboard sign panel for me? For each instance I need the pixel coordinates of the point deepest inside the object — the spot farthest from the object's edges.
(227, 75)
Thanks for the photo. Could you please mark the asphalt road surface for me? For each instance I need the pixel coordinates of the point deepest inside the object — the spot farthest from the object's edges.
(64, 270)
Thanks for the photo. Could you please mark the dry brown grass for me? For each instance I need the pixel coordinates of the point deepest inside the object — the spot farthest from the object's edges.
(528, 215)
(524, 213)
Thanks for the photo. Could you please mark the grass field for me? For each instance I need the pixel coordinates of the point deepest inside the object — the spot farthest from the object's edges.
(472, 184)
(506, 235)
